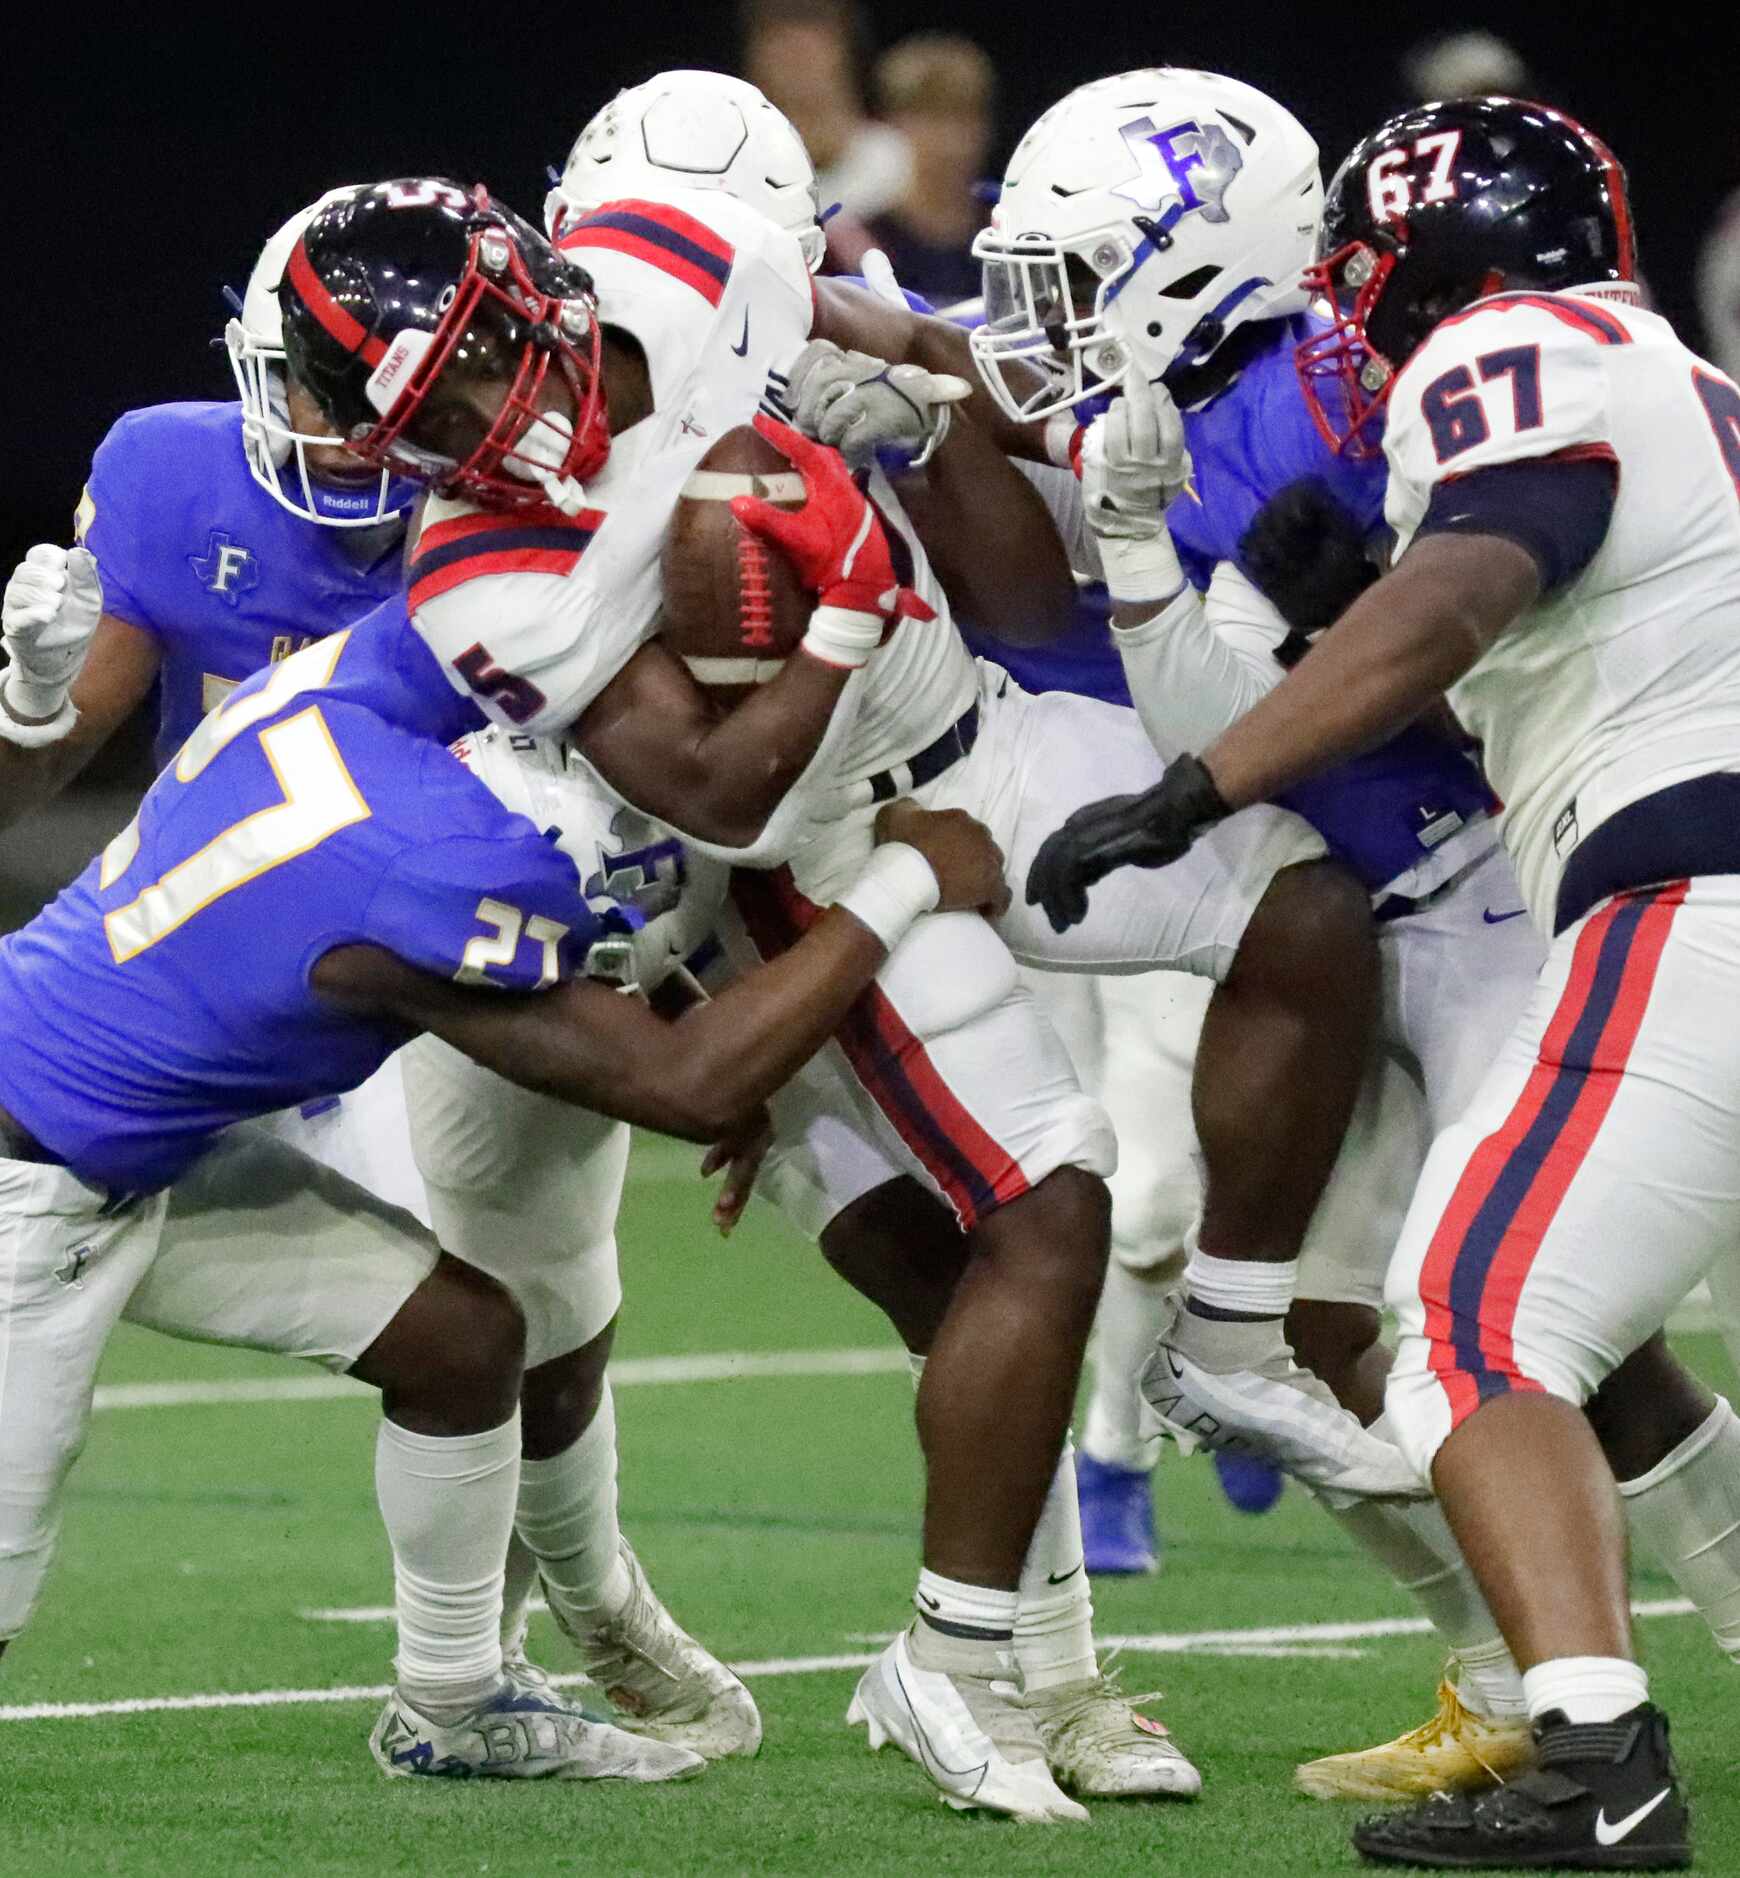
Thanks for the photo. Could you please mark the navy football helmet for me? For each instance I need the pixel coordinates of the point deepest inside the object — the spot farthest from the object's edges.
(1439, 207)
(427, 319)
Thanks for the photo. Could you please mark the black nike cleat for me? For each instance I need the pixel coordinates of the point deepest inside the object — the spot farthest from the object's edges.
(1603, 1796)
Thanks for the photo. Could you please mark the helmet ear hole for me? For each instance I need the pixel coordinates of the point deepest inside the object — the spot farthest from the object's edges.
(1188, 286)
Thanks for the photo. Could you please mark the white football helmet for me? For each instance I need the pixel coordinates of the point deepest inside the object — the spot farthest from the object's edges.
(275, 451)
(1142, 219)
(693, 130)
(661, 900)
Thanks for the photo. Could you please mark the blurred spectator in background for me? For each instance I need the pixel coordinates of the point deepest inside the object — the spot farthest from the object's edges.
(1467, 65)
(1719, 288)
(940, 91)
(809, 57)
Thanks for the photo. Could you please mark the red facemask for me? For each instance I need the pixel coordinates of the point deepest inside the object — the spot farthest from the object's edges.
(497, 288)
(1346, 380)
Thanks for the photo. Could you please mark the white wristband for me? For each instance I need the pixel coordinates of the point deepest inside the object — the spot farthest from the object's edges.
(839, 636)
(895, 888)
(1141, 572)
(53, 705)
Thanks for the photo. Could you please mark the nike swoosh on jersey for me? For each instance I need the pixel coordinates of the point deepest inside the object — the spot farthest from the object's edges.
(1058, 1578)
(742, 350)
(1623, 1828)
(1498, 919)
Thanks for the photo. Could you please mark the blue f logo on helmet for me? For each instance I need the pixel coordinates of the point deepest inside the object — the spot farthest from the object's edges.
(1200, 160)
(1142, 219)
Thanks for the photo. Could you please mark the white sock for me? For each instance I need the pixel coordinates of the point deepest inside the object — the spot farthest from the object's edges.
(1244, 1287)
(448, 1505)
(519, 1584)
(1413, 1542)
(1054, 1625)
(1686, 1510)
(1131, 1308)
(567, 1517)
(973, 1612)
(1585, 1688)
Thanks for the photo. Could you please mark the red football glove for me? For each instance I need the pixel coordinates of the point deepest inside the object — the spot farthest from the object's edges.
(836, 545)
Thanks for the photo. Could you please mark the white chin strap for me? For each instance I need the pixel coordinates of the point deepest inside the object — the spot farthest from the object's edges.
(538, 458)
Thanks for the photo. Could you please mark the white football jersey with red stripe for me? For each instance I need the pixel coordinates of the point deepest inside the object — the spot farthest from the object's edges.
(1627, 680)
(534, 616)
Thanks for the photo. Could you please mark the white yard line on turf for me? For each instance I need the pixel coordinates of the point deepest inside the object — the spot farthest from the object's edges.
(631, 1372)
(1272, 1640)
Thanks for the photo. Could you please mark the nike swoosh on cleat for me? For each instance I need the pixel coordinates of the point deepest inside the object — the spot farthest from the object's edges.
(1623, 1828)
(1057, 1578)
(742, 350)
(1498, 919)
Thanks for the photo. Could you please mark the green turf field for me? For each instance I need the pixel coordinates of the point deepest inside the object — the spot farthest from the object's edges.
(777, 1516)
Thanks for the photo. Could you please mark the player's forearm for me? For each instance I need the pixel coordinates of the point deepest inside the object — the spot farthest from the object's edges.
(1389, 658)
(733, 1053)
(697, 1077)
(29, 778)
(739, 785)
(1187, 684)
(991, 539)
(858, 321)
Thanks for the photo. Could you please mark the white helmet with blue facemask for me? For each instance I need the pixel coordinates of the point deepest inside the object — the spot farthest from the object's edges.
(1142, 219)
(277, 452)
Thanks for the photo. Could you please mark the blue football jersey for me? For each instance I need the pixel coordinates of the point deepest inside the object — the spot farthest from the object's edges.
(165, 994)
(192, 550)
(1381, 814)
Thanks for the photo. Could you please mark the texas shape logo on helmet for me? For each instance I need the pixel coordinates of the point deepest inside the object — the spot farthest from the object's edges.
(1196, 162)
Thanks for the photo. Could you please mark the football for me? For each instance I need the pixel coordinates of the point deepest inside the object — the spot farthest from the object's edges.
(733, 606)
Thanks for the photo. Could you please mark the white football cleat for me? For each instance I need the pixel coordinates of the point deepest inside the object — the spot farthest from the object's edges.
(522, 1733)
(1234, 1384)
(1099, 1744)
(970, 1733)
(661, 1681)
(1454, 1751)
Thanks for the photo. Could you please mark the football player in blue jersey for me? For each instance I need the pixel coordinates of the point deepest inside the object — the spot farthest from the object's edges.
(1150, 241)
(228, 534)
(377, 891)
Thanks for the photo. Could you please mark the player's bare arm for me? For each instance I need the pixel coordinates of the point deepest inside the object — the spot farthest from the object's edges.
(859, 321)
(707, 1073)
(991, 539)
(658, 740)
(55, 709)
(117, 674)
(1390, 658)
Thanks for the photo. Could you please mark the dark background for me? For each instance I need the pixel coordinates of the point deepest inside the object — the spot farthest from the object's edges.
(147, 161)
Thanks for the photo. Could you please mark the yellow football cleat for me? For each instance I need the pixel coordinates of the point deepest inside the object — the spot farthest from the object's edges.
(1456, 1751)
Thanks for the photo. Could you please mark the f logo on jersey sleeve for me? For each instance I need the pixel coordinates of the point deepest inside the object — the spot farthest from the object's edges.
(227, 568)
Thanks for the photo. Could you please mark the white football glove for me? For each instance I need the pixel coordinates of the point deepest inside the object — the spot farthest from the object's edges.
(1133, 463)
(860, 405)
(52, 605)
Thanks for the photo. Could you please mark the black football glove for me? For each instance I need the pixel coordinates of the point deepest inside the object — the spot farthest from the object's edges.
(1304, 550)
(1149, 830)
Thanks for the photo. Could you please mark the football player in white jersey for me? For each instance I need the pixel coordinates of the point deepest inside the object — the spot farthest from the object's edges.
(1565, 492)
(955, 1078)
